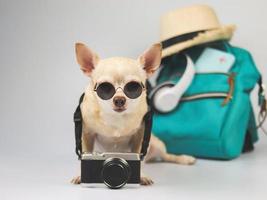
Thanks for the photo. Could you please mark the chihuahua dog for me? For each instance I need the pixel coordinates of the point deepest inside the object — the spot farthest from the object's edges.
(115, 103)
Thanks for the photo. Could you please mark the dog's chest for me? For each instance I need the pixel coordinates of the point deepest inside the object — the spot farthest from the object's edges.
(112, 144)
(115, 138)
(113, 134)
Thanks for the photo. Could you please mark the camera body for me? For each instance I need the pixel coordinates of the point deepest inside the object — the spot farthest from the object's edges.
(112, 169)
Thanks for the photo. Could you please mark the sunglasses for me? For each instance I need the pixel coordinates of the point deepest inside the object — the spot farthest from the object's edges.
(106, 90)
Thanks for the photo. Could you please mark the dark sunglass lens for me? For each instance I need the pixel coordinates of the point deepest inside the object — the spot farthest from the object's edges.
(133, 89)
(105, 90)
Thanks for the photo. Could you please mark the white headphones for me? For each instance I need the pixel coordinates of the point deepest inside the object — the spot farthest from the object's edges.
(165, 97)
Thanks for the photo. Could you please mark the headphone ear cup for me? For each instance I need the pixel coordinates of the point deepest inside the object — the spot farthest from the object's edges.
(152, 94)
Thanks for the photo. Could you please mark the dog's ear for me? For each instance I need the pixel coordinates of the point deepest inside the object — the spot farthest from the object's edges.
(151, 58)
(86, 58)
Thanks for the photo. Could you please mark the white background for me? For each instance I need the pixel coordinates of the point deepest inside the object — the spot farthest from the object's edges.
(40, 84)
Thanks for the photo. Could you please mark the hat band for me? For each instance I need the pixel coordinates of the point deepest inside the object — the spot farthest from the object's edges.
(179, 38)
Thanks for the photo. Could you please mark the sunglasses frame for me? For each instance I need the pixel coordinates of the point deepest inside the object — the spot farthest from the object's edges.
(97, 85)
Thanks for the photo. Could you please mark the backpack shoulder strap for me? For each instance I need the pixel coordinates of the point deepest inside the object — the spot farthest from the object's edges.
(263, 105)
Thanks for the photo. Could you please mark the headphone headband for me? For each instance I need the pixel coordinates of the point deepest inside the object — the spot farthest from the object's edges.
(165, 97)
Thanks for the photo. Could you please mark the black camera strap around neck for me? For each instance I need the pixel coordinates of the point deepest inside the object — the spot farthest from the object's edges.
(147, 120)
(78, 128)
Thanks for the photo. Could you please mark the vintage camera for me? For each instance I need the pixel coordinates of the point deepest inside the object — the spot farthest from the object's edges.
(112, 169)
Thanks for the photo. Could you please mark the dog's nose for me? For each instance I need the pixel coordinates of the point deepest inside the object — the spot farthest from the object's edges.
(119, 101)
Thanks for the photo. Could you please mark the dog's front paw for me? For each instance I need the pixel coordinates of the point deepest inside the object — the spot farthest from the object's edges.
(146, 181)
(76, 180)
(186, 160)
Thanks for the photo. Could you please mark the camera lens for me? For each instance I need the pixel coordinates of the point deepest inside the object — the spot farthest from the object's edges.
(115, 172)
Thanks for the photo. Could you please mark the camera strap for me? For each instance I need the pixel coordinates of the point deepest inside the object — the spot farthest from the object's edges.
(78, 128)
(147, 119)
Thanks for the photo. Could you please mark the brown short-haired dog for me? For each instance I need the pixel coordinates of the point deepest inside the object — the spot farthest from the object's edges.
(115, 103)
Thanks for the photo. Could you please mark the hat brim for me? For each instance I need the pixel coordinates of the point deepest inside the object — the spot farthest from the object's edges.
(222, 33)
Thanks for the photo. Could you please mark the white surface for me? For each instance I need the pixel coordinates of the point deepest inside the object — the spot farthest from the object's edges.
(37, 177)
(40, 83)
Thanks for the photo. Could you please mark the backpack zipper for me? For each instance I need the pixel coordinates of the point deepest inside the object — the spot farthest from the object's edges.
(205, 95)
(226, 95)
(215, 72)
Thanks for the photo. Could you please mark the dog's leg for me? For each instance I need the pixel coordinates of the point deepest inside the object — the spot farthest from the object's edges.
(76, 180)
(157, 150)
(87, 146)
(135, 143)
(179, 159)
(145, 180)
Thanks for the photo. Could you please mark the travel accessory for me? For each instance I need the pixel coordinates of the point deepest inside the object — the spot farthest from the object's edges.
(165, 97)
(147, 120)
(213, 60)
(113, 169)
(214, 118)
(191, 26)
(106, 90)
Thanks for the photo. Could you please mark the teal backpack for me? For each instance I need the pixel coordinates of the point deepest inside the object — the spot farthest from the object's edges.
(214, 118)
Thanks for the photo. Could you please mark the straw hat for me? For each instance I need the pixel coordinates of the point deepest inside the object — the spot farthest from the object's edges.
(190, 26)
